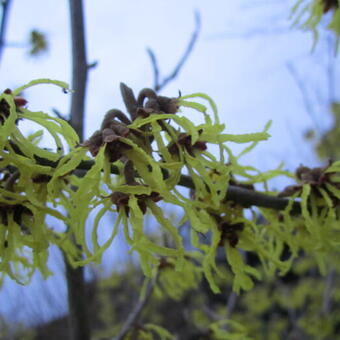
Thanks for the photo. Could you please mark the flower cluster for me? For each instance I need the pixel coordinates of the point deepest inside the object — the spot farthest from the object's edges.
(323, 181)
(133, 165)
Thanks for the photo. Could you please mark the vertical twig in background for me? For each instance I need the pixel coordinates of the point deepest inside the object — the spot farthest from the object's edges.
(327, 293)
(159, 84)
(5, 4)
(133, 317)
(79, 67)
(330, 69)
(79, 327)
(231, 304)
(307, 102)
(78, 309)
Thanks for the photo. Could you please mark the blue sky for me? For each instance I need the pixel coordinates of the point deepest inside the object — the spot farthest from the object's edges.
(240, 60)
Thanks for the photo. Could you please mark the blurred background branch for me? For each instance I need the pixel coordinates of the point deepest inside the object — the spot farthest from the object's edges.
(79, 321)
(5, 7)
(161, 82)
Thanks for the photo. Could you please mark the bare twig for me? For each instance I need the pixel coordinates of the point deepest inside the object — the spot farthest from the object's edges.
(254, 33)
(133, 317)
(210, 313)
(155, 68)
(231, 304)
(92, 65)
(5, 4)
(327, 294)
(78, 309)
(60, 115)
(304, 93)
(331, 69)
(159, 84)
(232, 298)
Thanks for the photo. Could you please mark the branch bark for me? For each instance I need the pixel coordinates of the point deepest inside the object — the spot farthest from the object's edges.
(79, 66)
(78, 318)
(239, 195)
(78, 310)
(5, 4)
(327, 293)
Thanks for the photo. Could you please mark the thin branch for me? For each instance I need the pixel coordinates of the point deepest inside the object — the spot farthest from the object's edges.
(92, 65)
(258, 32)
(231, 304)
(210, 313)
(5, 4)
(59, 114)
(331, 69)
(159, 84)
(327, 293)
(133, 317)
(155, 68)
(305, 98)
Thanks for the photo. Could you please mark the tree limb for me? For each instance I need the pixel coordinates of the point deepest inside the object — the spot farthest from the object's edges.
(5, 4)
(239, 195)
(79, 67)
(159, 84)
(247, 197)
(78, 310)
(79, 322)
